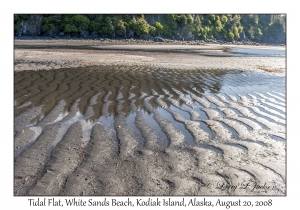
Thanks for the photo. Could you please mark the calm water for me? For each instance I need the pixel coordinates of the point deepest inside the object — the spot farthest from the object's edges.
(103, 93)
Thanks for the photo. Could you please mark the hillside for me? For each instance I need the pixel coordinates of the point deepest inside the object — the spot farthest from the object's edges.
(262, 28)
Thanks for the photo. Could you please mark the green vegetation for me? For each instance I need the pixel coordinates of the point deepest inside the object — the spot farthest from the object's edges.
(227, 27)
(17, 20)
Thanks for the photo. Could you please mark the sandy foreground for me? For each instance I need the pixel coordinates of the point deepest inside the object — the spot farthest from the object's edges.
(155, 120)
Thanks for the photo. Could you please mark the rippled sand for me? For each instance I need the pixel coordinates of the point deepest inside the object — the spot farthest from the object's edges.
(146, 130)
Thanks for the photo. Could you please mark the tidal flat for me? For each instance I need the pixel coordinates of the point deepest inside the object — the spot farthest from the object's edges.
(163, 122)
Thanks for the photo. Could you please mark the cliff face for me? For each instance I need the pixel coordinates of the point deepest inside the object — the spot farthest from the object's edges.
(30, 27)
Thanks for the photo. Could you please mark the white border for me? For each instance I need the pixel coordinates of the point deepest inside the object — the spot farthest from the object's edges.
(8, 201)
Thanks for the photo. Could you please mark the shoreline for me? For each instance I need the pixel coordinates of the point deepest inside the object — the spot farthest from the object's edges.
(155, 40)
(54, 54)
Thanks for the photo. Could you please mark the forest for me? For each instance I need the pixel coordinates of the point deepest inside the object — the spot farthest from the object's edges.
(227, 27)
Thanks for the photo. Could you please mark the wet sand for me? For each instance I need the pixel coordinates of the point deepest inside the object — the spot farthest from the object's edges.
(147, 129)
(46, 55)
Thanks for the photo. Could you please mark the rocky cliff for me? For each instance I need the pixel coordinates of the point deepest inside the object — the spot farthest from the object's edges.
(30, 27)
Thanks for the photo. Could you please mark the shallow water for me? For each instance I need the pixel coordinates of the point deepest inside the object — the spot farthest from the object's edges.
(245, 51)
(110, 91)
(206, 111)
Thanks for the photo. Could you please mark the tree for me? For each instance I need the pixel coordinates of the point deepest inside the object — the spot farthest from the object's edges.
(224, 19)
(236, 32)
(197, 20)
(120, 28)
(197, 29)
(70, 28)
(152, 30)
(48, 28)
(48, 24)
(169, 25)
(212, 18)
(107, 26)
(81, 22)
(190, 19)
(126, 18)
(275, 28)
(218, 26)
(226, 26)
(94, 26)
(159, 27)
(231, 35)
(250, 32)
(182, 20)
(258, 34)
(67, 25)
(140, 26)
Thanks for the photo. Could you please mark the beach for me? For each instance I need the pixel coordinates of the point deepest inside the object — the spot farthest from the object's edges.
(112, 118)
(46, 55)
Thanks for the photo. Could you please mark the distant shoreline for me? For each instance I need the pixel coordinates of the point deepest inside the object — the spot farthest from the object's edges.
(56, 54)
(155, 40)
